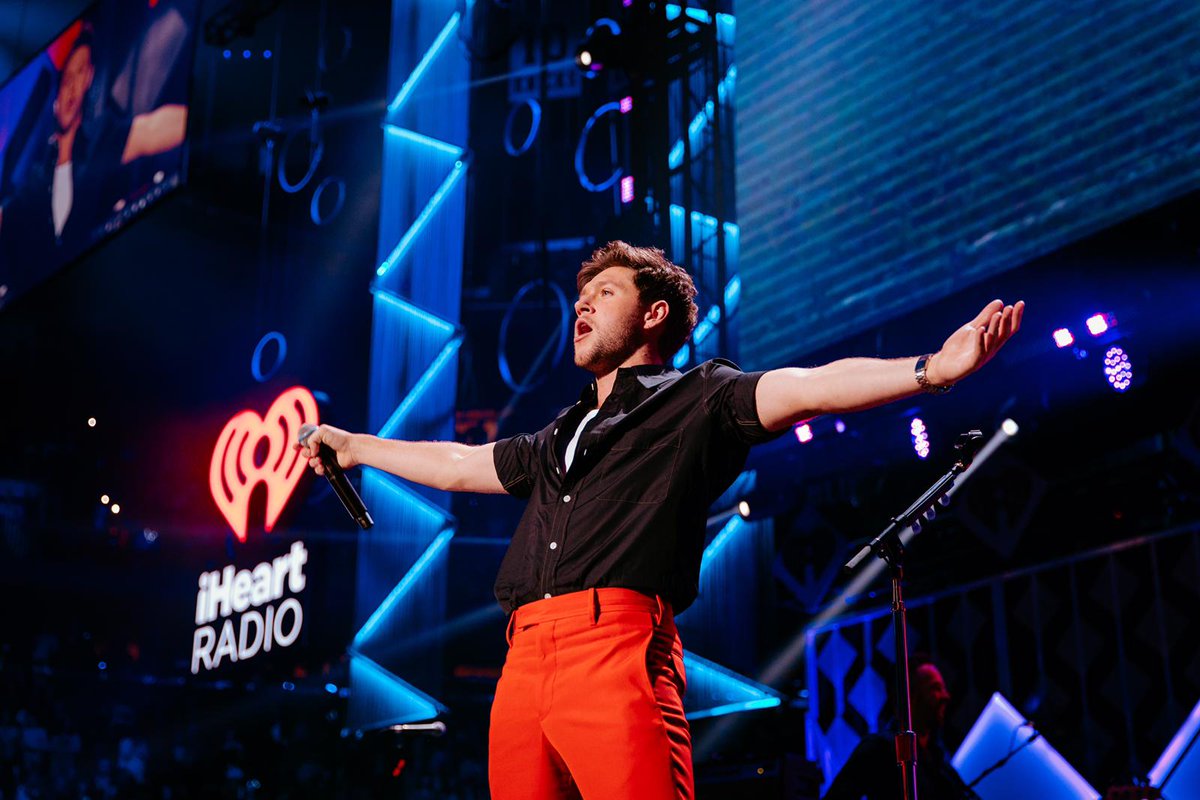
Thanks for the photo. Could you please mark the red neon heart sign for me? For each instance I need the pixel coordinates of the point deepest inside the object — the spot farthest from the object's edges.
(233, 473)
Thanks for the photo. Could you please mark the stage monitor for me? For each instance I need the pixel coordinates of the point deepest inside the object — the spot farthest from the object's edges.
(92, 132)
(1021, 762)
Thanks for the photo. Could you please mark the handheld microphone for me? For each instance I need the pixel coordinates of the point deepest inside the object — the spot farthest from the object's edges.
(436, 728)
(337, 479)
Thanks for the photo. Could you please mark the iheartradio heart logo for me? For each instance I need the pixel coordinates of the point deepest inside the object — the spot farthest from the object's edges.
(241, 461)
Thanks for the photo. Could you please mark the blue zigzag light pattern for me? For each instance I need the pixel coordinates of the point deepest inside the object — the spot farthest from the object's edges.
(415, 341)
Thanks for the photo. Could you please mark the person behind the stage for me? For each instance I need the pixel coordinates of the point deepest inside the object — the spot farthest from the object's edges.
(871, 772)
(590, 699)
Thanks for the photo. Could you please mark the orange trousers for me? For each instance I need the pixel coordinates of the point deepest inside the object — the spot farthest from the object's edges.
(590, 702)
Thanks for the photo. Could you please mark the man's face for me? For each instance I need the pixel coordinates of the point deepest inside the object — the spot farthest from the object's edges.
(608, 326)
(72, 87)
(930, 699)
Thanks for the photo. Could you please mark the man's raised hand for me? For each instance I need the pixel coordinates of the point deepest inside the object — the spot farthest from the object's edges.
(974, 344)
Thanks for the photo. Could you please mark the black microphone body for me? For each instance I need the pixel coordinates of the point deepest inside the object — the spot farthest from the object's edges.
(338, 480)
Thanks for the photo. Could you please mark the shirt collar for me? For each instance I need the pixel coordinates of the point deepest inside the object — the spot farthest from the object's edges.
(636, 383)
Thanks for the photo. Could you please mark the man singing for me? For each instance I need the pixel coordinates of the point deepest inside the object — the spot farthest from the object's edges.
(590, 700)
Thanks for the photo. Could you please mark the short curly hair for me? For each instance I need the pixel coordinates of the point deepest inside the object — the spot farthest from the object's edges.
(656, 278)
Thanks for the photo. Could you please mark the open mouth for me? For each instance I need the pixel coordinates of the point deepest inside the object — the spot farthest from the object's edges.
(581, 329)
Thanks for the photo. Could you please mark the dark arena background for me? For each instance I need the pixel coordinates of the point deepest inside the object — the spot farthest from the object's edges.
(371, 214)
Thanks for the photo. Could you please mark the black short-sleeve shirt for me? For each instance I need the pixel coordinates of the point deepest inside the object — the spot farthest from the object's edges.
(631, 510)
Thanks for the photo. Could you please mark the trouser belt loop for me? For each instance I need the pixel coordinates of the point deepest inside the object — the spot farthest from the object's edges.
(595, 606)
(508, 629)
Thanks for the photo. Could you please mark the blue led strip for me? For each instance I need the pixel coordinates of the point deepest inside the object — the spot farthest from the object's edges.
(397, 594)
(411, 703)
(413, 369)
(725, 691)
(422, 221)
(419, 72)
(719, 542)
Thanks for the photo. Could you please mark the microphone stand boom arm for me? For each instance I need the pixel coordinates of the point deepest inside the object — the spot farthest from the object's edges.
(887, 546)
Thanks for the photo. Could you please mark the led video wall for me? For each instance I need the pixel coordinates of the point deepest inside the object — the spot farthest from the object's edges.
(891, 153)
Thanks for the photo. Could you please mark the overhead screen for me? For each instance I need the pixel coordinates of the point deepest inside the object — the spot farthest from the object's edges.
(891, 153)
(91, 133)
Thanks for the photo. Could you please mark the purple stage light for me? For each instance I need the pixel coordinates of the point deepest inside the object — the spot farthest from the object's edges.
(1063, 338)
(839, 426)
(920, 437)
(804, 433)
(1099, 323)
(1117, 369)
(627, 189)
(626, 105)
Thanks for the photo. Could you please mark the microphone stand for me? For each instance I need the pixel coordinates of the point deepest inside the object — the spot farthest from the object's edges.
(887, 545)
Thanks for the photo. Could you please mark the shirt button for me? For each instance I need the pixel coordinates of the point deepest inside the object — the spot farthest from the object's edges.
(546, 596)
(566, 498)
(554, 545)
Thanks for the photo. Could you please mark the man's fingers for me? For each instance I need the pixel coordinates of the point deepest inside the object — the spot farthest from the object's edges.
(986, 314)
(1006, 324)
(994, 325)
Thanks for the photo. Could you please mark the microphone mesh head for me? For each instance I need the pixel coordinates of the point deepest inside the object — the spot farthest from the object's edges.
(306, 430)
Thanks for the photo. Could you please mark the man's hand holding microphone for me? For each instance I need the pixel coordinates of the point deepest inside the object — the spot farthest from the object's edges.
(330, 452)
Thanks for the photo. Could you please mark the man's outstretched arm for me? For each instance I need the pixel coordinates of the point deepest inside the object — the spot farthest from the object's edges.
(449, 466)
(787, 396)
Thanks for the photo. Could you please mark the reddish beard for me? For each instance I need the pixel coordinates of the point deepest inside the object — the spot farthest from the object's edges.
(608, 346)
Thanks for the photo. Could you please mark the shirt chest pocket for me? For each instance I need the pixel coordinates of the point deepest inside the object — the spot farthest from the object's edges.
(639, 467)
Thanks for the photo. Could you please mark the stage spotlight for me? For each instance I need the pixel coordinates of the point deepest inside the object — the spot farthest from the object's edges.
(920, 437)
(839, 426)
(91, 422)
(1118, 369)
(804, 433)
(1099, 323)
(627, 189)
(1009, 427)
(743, 509)
(116, 508)
(104, 499)
(626, 105)
(1063, 338)
(599, 48)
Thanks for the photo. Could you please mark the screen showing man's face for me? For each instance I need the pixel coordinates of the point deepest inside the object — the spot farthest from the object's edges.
(73, 86)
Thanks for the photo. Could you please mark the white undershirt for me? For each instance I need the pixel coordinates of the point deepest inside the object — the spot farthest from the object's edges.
(570, 455)
(62, 196)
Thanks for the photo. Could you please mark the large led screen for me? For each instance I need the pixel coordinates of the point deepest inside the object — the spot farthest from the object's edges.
(92, 131)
